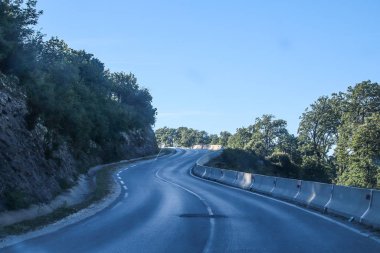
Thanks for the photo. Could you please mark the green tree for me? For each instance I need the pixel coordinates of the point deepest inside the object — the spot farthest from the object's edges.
(288, 144)
(17, 37)
(240, 139)
(223, 138)
(267, 133)
(166, 136)
(318, 133)
(202, 137)
(357, 149)
(214, 139)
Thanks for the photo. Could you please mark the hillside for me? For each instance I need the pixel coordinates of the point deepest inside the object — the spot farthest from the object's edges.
(61, 111)
(27, 173)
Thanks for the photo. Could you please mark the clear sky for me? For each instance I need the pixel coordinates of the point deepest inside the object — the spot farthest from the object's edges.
(217, 65)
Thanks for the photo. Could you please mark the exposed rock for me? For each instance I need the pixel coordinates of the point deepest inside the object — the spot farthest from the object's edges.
(31, 171)
(26, 174)
(139, 143)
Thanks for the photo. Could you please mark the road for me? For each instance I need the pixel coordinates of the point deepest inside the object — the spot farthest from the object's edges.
(163, 208)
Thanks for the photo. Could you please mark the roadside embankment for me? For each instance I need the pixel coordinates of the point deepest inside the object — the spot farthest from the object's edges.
(93, 192)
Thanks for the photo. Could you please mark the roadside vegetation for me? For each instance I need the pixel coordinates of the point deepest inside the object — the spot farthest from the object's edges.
(103, 186)
(69, 91)
(338, 141)
(188, 137)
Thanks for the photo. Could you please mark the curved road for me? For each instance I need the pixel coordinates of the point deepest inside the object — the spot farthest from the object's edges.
(163, 208)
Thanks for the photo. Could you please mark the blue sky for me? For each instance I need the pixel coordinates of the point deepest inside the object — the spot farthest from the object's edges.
(217, 65)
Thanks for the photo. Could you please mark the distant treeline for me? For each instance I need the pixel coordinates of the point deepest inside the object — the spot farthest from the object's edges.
(338, 141)
(188, 137)
(69, 91)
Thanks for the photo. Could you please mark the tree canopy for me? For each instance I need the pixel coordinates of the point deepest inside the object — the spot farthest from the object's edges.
(69, 91)
(338, 141)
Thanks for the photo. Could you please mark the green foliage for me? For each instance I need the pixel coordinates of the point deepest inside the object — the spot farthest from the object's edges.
(267, 132)
(64, 184)
(278, 164)
(318, 132)
(240, 139)
(15, 199)
(265, 136)
(362, 154)
(339, 137)
(70, 91)
(223, 138)
(357, 149)
(183, 136)
(238, 159)
(166, 136)
(338, 141)
(214, 139)
(284, 165)
(16, 34)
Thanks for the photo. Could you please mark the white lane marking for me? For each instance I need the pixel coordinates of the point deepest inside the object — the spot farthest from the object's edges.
(357, 231)
(207, 248)
(209, 211)
(121, 181)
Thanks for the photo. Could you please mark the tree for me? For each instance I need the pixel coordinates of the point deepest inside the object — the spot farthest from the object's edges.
(202, 137)
(288, 144)
(267, 132)
(240, 139)
(183, 136)
(166, 136)
(214, 139)
(318, 133)
(357, 149)
(17, 35)
(318, 129)
(223, 138)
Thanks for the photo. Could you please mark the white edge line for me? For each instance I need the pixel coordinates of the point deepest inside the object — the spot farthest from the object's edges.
(296, 206)
(209, 210)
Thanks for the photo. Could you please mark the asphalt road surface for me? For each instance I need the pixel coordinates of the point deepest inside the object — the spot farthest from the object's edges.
(163, 208)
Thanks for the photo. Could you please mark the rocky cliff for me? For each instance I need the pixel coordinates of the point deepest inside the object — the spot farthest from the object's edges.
(30, 174)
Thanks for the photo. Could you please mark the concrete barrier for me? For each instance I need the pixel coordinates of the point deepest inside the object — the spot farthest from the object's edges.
(314, 194)
(360, 204)
(243, 180)
(207, 173)
(239, 179)
(323, 195)
(287, 188)
(372, 215)
(350, 202)
(198, 170)
(215, 174)
(263, 184)
(229, 177)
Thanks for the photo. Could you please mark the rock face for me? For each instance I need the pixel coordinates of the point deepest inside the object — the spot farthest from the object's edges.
(28, 174)
(139, 143)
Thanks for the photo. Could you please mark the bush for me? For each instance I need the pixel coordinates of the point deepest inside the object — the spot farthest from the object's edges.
(15, 200)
